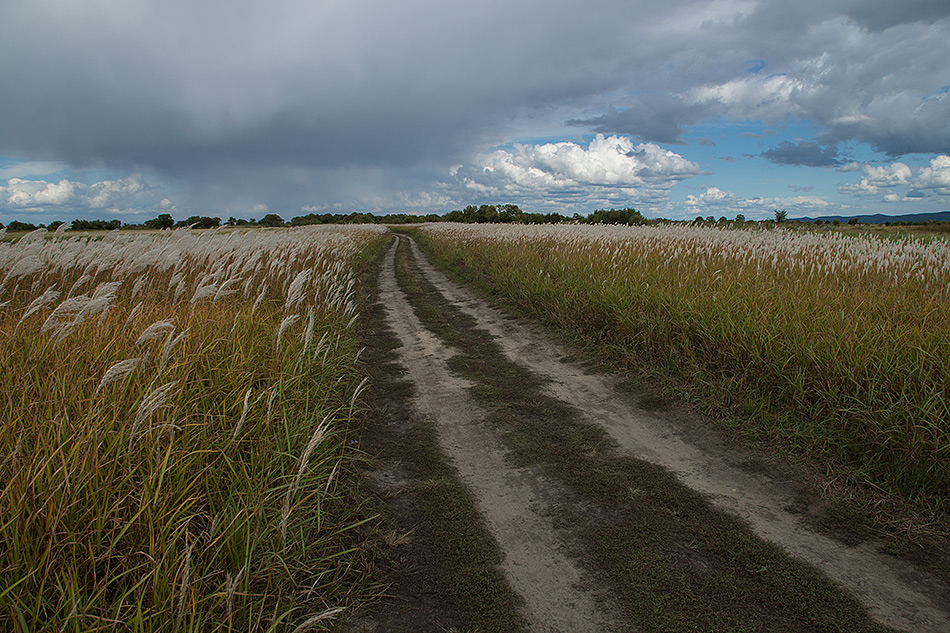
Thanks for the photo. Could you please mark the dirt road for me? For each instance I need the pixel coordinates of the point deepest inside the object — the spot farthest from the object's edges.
(610, 517)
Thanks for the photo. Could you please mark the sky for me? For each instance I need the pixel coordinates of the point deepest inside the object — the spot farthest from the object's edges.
(132, 108)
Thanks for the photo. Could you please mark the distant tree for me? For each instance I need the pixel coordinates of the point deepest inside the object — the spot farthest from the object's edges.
(271, 219)
(740, 218)
(95, 225)
(55, 224)
(200, 222)
(16, 225)
(853, 221)
(780, 216)
(163, 221)
(723, 219)
(615, 216)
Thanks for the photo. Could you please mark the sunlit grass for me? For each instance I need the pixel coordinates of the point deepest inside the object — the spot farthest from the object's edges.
(838, 345)
(172, 457)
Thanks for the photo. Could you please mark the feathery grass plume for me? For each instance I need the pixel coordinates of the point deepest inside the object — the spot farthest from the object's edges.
(284, 324)
(230, 587)
(176, 278)
(320, 617)
(307, 337)
(79, 282)
(185, 579)
(117, 372)
(156, 399)
(38, 304)
(204, 292)
(134, 312)
(101, 298)
(237, 427)
(170, 343)
(315, 439)
(270, 404)
(320, 344)
(260, 298)
(67, 310)
(33, 236)
(308, 331)
(155, 331)
(139, 285)
(227, 288)
(295, 291)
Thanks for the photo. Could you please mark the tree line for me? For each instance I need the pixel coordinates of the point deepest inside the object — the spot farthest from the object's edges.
(483, 214)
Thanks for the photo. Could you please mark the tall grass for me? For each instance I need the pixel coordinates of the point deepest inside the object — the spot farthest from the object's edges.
(171, 456)
(839, 345)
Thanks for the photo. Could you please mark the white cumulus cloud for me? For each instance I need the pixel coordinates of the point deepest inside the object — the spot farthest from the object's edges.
(715, 201)
(609, 167)
(20, 193)
(937, 176)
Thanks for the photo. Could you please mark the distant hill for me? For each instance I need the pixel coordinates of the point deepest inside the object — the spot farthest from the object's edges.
(878, 218)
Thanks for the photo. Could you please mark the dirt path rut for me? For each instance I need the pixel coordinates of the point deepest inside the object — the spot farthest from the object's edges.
(896, 593)
(513, 501)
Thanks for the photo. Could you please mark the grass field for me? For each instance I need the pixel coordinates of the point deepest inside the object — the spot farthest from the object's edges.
(838, 345)
(173, 429)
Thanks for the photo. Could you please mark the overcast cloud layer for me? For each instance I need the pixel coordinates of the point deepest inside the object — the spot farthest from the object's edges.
(677, 108)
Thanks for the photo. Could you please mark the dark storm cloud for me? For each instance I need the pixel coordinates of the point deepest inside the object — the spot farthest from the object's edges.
(295, 102)
(802, 153)
(659, 118)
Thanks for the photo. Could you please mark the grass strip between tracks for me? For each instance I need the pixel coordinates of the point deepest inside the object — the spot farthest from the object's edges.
(671, 560)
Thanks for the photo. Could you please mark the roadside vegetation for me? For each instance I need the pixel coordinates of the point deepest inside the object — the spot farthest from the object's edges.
(174, 429)
(835, 345)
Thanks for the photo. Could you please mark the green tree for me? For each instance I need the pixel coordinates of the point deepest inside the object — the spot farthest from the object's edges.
(780, 216)
(615, 216)
(16, 225)
(272, 220)
(163, 221)
(200, 222)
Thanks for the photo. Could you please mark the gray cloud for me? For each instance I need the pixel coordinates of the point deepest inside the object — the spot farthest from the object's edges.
(294, 102)
(659, 118)
(803, 153)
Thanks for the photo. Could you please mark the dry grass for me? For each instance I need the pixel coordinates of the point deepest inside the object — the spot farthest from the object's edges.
(836, 344)
(172, 439)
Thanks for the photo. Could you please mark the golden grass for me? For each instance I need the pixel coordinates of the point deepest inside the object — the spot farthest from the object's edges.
(166, 464)
(839, 345)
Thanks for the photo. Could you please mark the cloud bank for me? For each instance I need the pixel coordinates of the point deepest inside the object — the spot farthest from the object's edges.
(296, 103)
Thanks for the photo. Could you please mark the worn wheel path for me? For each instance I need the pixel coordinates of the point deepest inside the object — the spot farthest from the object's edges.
(542, 519)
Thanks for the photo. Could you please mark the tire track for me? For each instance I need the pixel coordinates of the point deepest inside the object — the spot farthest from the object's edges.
(516, 503)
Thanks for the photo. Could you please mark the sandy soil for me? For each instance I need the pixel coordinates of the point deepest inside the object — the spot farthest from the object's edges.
(515, 501)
